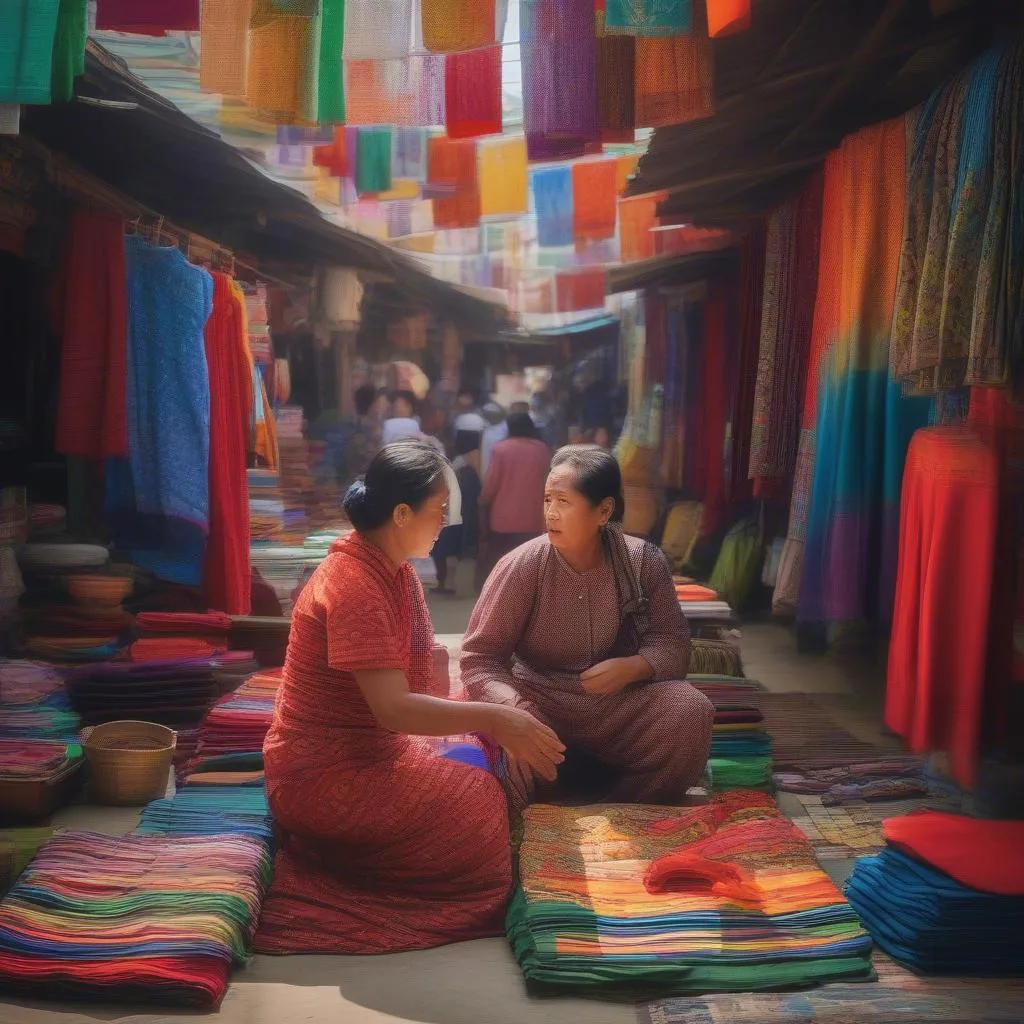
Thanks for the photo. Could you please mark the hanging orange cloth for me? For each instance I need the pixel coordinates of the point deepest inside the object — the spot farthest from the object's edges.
(224, 53)
(453, 25)
(637, 220)
(452, 168)
(333, 156)
(625, 168)
(727, 17)
(594, 200)
(281, 66)
(674, 80)
(503, 177)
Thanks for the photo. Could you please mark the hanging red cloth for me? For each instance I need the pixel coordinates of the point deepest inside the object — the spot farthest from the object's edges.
(92, 417)
(594, 200)
(147, 17)
(939, 645)
(472, 91)
(226, 574)
(727, 17)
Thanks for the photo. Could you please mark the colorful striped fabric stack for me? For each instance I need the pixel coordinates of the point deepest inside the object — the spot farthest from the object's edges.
(33, 702)
(740, 747)
(238, 722)
(724, 897)
(136, 918)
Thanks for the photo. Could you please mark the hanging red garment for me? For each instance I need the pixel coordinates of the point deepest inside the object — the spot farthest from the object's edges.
(939, 644)
(472, 93)
(92, 417)
(147, 17)
(983, 855)
(226, 573)
(594, 200)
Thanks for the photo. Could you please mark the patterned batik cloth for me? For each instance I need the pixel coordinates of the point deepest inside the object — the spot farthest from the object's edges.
(582, 916)
(384, 845)
(539, 624)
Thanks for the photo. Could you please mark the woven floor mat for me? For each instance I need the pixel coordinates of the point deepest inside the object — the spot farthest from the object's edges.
(898, 997)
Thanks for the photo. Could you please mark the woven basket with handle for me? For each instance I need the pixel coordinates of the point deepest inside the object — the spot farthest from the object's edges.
(129, 762)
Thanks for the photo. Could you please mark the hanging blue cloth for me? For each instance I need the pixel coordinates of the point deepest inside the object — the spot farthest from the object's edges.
(552, 200)
(158, 498)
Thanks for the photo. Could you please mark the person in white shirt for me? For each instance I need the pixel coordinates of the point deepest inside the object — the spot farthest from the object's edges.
(404, 423)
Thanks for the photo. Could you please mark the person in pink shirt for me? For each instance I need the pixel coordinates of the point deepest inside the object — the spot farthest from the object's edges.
(512, 500)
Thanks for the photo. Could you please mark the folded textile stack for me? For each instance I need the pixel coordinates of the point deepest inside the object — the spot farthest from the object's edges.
(133, 918)
(34, 703)
(266, 507)
(702, 604)
(325, 511)
(892, 777)
(211, 628)
(724, 897)
(296, 477)
(946, 895)
(171, 693)
(36, 777)
(211, 810)
(239, 721)
(740, 747)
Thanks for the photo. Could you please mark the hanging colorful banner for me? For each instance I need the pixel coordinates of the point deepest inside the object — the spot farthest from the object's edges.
(452, 169)
(375, 31)
(224, 46)
(649, 17)
(373, 163)
(594, 200)
(674, 80)
(450, 26)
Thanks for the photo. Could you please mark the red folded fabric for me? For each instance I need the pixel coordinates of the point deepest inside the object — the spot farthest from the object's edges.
(983, 855)
(183, 622)
(683, 872)
(171, 649)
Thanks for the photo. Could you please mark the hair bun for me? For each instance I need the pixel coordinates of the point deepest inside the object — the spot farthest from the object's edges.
(354, 502)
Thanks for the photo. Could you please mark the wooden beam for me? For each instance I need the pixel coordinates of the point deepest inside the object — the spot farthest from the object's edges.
(865, 54)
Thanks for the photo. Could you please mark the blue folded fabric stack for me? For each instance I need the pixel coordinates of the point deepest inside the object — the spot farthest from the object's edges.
(933, 924)
(209, 810)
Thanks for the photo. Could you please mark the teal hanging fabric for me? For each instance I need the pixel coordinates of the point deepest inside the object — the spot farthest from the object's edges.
(330, 107)
(373, 162)
(27, 32)
(649, 17)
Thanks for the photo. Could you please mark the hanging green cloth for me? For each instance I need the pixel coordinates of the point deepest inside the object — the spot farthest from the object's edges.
(373, 162)
(27, 31)
(69, 48)
(330, 107)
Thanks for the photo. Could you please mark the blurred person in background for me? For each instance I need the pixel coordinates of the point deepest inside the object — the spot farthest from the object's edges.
(495, 432)
(461, 541)
(512, 501)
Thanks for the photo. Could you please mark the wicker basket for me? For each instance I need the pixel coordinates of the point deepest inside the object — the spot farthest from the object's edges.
(129, 762)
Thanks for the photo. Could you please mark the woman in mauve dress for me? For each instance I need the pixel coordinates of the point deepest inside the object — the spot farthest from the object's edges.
(582, 628)
(383, 845)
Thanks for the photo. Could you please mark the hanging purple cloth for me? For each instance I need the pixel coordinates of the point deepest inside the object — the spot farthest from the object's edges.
(559, 59)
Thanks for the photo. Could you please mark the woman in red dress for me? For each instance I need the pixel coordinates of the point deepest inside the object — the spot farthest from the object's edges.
(384, 845)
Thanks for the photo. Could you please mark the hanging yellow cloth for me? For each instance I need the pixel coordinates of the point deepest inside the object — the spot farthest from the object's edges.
(224, 53)
(625, 168)
(503, 177)
(453, 25)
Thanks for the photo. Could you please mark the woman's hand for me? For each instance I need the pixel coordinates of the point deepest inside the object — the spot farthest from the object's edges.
(527, 741)
(614, 675)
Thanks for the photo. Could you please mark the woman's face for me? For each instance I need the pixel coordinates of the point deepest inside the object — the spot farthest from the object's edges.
(418, 529)
(572, 522)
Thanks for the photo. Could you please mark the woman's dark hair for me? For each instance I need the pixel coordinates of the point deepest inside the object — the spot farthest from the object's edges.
(403, 473)
(466, 441)
(521, 425)
(597, 474)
